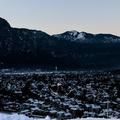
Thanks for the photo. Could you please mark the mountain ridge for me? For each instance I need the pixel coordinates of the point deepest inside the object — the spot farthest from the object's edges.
(74, 49)
(82, 36)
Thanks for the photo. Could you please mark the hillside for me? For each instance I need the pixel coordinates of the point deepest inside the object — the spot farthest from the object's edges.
(71, 49)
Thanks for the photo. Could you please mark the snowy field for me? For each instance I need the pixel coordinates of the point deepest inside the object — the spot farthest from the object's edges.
(23, 117)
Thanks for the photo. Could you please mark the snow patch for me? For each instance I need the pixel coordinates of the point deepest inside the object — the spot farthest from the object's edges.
(73, 32)
(81, 35)
(19, 117)
(77, 35)
(72, 35)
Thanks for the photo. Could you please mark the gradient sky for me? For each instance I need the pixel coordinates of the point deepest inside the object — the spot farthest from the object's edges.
(56, 16)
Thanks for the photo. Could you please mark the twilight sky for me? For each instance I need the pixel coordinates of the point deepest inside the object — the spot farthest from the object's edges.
(56, 16)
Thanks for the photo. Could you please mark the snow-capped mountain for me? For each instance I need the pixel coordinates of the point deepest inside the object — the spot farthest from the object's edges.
(74, 36)
(84, 37)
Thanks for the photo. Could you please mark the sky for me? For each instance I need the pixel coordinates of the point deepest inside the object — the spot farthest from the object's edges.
(58, 16)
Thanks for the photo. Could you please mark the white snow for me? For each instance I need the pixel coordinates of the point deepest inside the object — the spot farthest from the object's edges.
(19, 117)
(72, 36)
(23, 117)
(81, 36)
(77, 35)
(73, 32)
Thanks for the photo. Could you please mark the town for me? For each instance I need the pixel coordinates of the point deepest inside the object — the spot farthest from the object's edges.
(63, 95)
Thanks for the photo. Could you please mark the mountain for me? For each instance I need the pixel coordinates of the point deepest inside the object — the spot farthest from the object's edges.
(75, 36)
(84, 37)
(71, 49)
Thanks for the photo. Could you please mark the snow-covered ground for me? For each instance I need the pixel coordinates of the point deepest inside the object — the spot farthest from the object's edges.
(18, 117)
(23, 117)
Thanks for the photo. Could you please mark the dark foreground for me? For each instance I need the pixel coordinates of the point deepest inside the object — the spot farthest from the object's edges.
(61, 94)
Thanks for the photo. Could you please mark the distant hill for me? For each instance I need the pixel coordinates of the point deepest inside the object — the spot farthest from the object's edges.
(71, 49)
